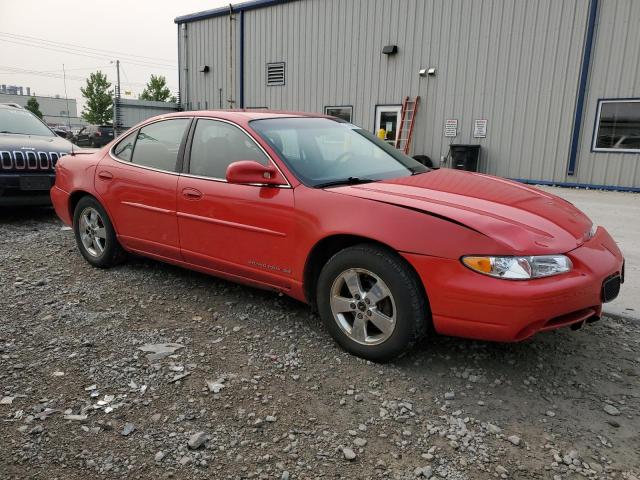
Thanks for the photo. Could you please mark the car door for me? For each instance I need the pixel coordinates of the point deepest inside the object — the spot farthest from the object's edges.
(244, 231)
(137, 180)
(81, 138)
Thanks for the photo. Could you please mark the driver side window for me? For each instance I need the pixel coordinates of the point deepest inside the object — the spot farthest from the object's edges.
(216, 145)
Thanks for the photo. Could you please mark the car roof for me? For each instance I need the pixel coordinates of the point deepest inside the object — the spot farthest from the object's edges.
(244, 114)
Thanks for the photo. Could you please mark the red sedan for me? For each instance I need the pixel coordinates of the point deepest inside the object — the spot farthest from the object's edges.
(321, 210)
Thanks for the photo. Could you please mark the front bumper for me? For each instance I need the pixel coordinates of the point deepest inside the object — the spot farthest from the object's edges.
(17, 192)
(467, 304)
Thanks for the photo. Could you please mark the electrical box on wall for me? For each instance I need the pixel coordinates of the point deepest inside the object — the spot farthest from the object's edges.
(390, 49)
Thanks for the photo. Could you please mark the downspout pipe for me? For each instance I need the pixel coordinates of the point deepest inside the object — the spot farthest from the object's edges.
(241, 65)
(582, 86)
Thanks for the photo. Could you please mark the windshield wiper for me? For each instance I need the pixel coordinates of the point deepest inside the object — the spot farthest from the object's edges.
(418, 171)
(344, 181)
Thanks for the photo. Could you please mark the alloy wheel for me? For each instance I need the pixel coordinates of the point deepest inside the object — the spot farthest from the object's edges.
(363, 306)
(92, 232)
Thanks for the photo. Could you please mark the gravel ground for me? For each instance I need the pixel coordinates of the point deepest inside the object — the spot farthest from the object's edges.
(251, 386)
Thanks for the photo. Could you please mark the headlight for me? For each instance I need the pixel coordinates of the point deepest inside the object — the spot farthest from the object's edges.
(519, 268)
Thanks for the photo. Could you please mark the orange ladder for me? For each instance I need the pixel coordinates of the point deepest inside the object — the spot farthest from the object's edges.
(407, 120)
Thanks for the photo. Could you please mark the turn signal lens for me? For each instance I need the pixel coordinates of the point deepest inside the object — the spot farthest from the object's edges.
(480, 264)
(519, 268)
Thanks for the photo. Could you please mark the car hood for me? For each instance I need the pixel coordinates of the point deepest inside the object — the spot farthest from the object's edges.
(522, 218)
(12, 142)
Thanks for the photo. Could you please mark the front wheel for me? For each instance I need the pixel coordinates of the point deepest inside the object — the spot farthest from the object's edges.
(372, 302)
(95, 235)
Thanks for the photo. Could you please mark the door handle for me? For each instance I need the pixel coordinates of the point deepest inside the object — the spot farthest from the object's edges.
(104, 175)
(191, 194)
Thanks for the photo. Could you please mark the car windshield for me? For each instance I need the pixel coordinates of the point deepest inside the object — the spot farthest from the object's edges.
(326, 152)
(22, 122)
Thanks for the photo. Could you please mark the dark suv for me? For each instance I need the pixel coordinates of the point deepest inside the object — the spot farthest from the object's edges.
(94, 136)
(29, 150)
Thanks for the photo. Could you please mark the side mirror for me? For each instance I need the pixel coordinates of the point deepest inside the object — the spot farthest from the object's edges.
(251, 172)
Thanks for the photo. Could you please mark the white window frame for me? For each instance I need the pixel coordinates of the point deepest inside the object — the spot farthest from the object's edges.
(342, 107)
(379, 110)
(596, 127)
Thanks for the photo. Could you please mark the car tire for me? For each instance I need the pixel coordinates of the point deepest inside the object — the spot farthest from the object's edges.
(388, 315)
(95, 235)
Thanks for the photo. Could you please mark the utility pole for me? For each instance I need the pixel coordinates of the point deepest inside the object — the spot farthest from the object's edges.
(116, 103)
(66, 97)
(231, 86)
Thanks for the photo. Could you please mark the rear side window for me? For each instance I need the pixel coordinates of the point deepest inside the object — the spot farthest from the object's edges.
(124, 149)
(216, 145)
(157, 144)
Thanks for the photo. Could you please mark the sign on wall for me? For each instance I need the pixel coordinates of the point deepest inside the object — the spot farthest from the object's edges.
(480, 128)
(451, 128)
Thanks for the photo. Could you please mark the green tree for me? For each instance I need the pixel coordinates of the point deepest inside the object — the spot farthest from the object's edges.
(98, 108)
(157, 90)
(34, 107)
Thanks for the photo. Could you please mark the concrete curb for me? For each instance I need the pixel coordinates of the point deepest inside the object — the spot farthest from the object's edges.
(622, 316)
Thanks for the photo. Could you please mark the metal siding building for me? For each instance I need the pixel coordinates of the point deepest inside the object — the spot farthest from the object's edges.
(534, 69)
(133, 111)
(55, 110)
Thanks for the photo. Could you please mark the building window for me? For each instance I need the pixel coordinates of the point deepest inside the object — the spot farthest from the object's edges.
(275, 74)
(617, 126)
(345, 113)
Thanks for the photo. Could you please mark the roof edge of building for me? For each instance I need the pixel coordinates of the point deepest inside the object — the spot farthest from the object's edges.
(40, 96)
(221, 11)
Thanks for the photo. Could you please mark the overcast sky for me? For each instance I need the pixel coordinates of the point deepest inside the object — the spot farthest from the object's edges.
(38, 36)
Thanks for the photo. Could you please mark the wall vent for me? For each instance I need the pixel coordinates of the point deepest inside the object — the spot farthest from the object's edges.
(275, 74)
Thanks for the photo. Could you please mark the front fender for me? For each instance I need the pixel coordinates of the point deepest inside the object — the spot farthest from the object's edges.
(323, 213)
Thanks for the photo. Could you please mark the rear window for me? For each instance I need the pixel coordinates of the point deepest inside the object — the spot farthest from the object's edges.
(124, 149)
(157, 144)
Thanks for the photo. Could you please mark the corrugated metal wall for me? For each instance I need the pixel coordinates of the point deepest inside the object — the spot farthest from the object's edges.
(515, 63)
(207, 42)
(133, 112)
(615, 73)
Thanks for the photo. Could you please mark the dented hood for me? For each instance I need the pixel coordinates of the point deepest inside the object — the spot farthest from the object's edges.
(522, 218)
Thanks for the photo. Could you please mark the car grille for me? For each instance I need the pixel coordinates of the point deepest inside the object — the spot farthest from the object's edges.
(28, 160)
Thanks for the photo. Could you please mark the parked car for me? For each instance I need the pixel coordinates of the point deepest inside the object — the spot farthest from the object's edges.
(385, 248)
(94, 136)
(62, 131)
(29, 150)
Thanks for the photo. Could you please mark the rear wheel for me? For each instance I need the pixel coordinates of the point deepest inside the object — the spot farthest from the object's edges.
(95, 235)
(372, 302)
